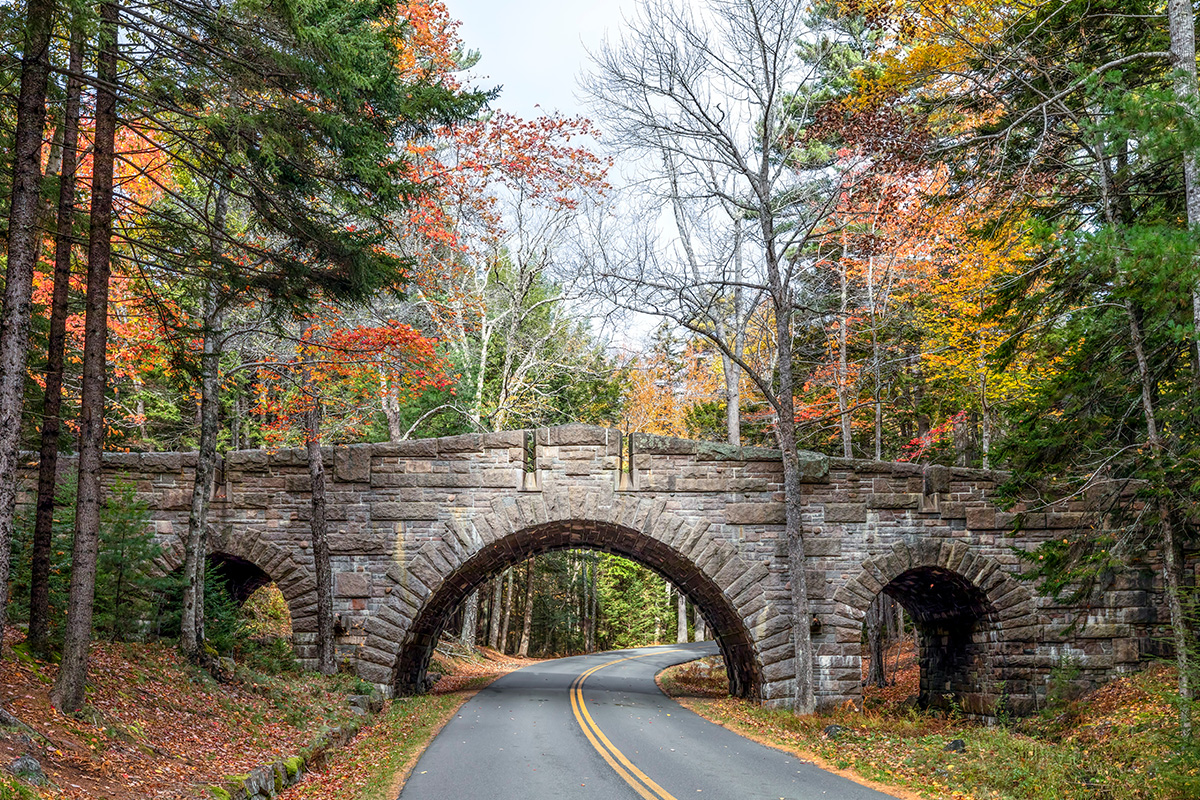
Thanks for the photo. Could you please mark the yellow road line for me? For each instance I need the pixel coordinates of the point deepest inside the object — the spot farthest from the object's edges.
(641, 783)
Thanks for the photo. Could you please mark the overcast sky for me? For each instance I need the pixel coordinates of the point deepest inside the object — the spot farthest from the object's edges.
(535, 49)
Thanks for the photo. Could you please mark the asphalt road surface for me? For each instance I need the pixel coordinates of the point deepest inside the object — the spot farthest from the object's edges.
(597, 726)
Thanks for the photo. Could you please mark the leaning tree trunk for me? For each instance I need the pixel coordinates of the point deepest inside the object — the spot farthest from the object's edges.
(698, 623)
(470, 623)
(43, 526)
(494, 616)
(68, 692)
(322, 568)
(23, 247)
(527, 624)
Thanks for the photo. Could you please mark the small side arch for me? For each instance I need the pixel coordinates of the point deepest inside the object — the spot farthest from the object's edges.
(971, 615)
(689, 553)
(293, 575)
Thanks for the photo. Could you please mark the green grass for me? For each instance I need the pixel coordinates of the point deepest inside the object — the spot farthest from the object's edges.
(370, 768)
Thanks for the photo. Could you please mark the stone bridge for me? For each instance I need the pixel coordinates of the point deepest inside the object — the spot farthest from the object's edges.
(415, 526)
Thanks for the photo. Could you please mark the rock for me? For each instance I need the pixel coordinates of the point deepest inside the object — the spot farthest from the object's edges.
(955, 746)
(372, 702)
(28, 769)
(833, 731)
(430, 679)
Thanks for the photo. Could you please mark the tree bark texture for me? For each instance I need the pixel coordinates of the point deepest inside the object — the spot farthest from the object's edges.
(191, 640)
(508, 607)
(494, 616)
(876, 675)
(39, 584)
(1172, 547)
(68, 692)
(1181, 23)
(23, 248)
(681, 626)
(322, 567)
(470, 620)
(527, 623)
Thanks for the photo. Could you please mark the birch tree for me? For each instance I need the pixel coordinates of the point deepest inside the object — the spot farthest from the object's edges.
(722, 89)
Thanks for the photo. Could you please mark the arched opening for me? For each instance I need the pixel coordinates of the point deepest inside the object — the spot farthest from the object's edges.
(241, 577)
(724, 622)
(244, 608)
(955, 626)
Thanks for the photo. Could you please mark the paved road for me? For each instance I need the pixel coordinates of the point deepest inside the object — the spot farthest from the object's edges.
(597, 726)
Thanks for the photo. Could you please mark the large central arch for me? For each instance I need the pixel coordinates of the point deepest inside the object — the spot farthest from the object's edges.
(737, 647)
(427, 583)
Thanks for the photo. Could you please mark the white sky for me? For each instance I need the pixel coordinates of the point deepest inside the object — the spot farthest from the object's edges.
(535, 49)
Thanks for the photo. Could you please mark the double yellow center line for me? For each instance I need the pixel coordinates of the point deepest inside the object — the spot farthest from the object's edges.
(641, 783)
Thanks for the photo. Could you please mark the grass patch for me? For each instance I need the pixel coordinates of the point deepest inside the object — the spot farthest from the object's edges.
(1117, 743)
(373, 766)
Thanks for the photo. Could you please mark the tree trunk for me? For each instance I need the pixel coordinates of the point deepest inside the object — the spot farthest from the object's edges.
(390, 401)
(804, 697)
(68, 692)
(322, 568)
(527, 624)
(497, 605)
(23, 247)
(681, 628)
(698, 622)
(191, 640)
(844, 363)
(876, 676)
(39, 584)
(508, 607)
(1172, 555)
(593, 604)
(470, 620)
(1181, 23)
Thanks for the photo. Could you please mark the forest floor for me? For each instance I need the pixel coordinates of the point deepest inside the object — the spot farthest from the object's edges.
(1117, 743)
(154, 726)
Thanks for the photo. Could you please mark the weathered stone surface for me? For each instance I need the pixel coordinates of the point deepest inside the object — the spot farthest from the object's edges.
(845, 512)
(403, 511)
(352, 584)
(352, 464)
(764, 513)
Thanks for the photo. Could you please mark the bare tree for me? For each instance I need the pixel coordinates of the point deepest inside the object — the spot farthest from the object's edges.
(717, 92)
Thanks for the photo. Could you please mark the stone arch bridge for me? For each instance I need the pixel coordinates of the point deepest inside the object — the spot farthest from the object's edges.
(416, 525)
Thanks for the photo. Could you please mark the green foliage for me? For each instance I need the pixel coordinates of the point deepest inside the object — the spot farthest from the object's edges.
(635, 606)
(128, 587)
(127, 582)
(224, 626)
